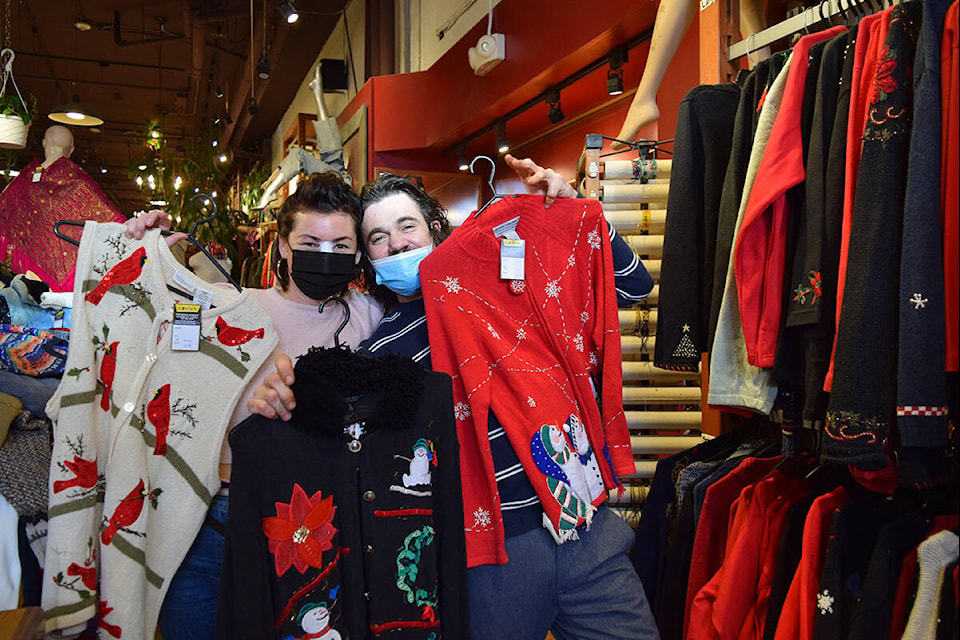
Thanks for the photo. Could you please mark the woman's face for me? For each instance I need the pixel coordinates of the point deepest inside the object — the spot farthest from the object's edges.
(314, 231)
(394, 225)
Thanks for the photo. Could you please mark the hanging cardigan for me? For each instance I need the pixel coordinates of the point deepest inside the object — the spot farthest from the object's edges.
(531, 351)
(759, 256)
(863, 400)
(701, 149)
(138, 431)
(353, 506)
(734, 381)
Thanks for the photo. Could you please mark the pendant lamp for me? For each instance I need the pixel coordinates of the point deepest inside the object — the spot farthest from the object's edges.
(75, 114)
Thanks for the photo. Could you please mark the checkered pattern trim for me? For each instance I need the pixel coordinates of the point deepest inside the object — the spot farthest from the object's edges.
(921, 410)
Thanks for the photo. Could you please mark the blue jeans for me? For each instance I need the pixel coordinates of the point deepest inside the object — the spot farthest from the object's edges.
(583, 589)
(189, 610)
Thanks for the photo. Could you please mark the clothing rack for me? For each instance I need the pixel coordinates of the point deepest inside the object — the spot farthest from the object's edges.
(807, 20)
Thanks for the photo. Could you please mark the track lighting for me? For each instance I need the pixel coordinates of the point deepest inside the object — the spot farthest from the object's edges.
(463, 164)
(502, 145)
(555, 114)
(219, 92)
(289, 12)
(615, 74)
(263, 68)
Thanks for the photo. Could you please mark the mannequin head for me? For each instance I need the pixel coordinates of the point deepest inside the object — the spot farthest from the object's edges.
(57, 143)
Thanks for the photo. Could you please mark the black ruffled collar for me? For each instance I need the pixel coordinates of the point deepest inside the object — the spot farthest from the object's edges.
(337, 387)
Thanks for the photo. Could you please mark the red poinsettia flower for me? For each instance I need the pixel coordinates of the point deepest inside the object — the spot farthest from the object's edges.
(884, 81)
(816, 281)
(301, 531)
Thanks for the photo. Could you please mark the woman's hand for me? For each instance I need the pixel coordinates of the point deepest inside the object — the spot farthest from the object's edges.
(540, 181)
(274, 398)
(143, 220)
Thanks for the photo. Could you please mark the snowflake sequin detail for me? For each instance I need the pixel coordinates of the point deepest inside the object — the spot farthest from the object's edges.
(481, 518)
(521, 334)
(918, 301)
(461, 411)
(584, 316)
(578, 342)
(594, 239)
(553, 289)
(572, 261)
(452, 284)
(825, 602)
(594, 360)
(531, 402)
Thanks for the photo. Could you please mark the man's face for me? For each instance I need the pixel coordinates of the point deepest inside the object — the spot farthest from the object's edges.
(394, 225)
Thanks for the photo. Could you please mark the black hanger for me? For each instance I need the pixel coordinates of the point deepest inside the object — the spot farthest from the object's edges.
(193, 240)
(496, 196)
(346, 317)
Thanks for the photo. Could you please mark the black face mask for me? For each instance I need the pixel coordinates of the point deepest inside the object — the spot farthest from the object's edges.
(319, 274)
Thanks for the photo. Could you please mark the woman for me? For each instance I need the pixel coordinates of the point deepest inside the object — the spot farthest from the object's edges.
(319, 256)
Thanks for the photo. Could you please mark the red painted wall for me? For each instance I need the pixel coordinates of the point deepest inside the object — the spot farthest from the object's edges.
(413, 118)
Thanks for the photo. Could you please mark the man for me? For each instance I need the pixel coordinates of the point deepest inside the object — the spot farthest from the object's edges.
(582, 588)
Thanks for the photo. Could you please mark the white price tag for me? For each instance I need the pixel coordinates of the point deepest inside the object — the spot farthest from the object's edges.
(511, 259)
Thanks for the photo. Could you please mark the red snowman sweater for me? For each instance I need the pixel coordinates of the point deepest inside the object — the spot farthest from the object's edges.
(533, 352)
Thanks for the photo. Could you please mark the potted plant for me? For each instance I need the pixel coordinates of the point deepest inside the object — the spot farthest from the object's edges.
(15, 114)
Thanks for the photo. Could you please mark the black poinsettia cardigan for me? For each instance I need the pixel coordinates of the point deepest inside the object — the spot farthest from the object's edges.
(349, 518)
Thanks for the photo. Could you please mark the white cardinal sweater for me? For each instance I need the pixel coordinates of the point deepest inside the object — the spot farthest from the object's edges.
(137, 433)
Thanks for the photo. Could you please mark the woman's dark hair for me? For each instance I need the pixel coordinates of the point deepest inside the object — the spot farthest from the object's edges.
(430, 208)
(325, 192)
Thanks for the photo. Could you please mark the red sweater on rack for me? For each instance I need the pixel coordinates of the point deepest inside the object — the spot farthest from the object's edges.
(761, 246)
(531, 351)
(950, 87)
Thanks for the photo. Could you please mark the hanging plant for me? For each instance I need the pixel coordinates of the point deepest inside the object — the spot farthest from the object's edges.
(15, 114)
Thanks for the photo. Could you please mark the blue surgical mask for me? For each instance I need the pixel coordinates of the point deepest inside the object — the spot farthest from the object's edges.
(401, 272)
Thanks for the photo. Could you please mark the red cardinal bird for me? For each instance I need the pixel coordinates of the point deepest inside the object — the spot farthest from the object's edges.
(125, 514)
(108, 367)
(158, 412)
(88, 575)
(103, 611)
(124, 272)
(235, 336)
(84, 472)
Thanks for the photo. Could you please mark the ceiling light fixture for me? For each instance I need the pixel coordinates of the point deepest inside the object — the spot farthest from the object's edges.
(555, 114)
(502, 145)
(219, 92)
(75, 114)
(615, 74)
(263, 68)
(463, 164)
(289, 12)
(81, 24)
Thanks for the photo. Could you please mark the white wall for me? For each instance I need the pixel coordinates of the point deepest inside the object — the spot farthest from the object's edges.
(336, 48)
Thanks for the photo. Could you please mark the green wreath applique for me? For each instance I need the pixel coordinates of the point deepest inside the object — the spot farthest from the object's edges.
(408, 568)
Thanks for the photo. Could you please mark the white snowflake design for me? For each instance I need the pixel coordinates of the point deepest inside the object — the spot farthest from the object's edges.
(452, 284)
(461, 411)
(594, 239)
(493, 331)
(594, 360)
(584, 316)
(481, 518)
(918, 301)
(553, 289)
(578, 342)
(572, 260)
(531, 401)
(825, 602)
(521, 334)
